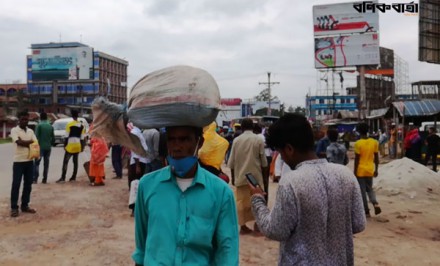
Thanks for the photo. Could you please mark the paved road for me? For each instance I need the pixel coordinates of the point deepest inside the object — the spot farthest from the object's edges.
(56, 161)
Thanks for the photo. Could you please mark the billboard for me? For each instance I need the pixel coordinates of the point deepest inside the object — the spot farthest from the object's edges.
(67, 63)
(429, 31)
(343, 19)
(344, 51)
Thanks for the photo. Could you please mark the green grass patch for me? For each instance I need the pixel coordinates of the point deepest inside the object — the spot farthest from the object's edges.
(6, 140)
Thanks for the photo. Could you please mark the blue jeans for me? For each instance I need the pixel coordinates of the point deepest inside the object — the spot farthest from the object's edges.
(21, 170)
(45, 154)
(366, 185)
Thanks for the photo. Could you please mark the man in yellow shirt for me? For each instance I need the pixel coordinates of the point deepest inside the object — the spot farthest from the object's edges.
(366, 165)
(74, 144)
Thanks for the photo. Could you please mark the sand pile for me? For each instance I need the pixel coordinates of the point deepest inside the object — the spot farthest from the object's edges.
(407, 177)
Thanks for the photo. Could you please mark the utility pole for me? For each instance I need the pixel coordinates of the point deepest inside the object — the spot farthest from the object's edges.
(268, 83)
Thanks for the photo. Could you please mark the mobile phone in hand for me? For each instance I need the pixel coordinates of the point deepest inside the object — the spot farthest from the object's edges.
(252, 180)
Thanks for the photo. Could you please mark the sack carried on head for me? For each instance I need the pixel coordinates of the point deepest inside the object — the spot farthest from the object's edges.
(174, 96)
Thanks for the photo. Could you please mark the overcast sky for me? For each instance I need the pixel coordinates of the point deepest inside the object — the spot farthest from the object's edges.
(237, 41)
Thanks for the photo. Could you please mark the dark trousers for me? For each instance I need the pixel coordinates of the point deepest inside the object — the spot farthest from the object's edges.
(132, 173)
(432, 155)
(67, 156)
(45, 154)
(21, 170)
(117, 159)
(153, 166)
(366, 185)
(266, 179)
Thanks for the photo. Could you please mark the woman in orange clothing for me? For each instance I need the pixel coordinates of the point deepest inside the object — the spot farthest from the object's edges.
(99, 150)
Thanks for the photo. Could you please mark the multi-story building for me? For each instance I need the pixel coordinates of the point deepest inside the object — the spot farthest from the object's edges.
(12, 98)
(324, 106)
(62, 76)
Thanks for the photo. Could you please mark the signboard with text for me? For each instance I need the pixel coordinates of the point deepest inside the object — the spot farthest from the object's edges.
(69, 63)
(344, 51)
(343, 18)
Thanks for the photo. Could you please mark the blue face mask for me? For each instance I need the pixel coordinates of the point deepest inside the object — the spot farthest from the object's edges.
(181, 167)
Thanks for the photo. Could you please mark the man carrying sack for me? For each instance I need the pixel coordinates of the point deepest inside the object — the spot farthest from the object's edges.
(184, 215)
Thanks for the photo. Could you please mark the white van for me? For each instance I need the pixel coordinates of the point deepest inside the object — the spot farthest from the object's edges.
(59, 127)
(427, 124)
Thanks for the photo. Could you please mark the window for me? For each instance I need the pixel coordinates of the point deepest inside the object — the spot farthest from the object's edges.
(11, 92)
(321, 101)
(46, 89)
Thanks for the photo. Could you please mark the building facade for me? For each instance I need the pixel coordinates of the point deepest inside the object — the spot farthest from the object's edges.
(323, 107)
(64, 76)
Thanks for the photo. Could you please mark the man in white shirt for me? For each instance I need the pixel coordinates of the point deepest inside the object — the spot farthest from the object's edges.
(137, 162)
(23, 167)
(152, 137)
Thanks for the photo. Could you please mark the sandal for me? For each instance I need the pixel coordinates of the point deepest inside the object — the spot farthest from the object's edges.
(15, 213)
(377, 209)
(97, 184)
(28, 210)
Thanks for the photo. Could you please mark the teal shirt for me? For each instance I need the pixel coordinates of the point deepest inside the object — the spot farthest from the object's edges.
(45, 135)
(195, 227)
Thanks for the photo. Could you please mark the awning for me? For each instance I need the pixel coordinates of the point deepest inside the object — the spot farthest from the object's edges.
(418, 108)
(344, 114)
(377, 113)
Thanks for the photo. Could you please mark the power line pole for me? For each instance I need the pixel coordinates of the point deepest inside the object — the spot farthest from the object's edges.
(268, 83)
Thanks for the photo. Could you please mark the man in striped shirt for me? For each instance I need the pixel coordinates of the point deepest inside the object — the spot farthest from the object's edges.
(74, 144)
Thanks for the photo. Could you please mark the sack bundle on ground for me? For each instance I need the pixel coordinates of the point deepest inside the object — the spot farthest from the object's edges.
(174, 96)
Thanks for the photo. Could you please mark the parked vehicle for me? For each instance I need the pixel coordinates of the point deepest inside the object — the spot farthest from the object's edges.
(59, 127)
(427, 124)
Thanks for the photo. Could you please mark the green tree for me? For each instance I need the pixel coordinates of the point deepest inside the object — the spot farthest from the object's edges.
(264, 96)
(300, 110)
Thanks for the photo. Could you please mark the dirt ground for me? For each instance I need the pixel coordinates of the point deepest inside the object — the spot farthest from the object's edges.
(81, 225)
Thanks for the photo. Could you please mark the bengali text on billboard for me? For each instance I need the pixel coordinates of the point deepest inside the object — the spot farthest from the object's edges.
(344, 51)
(68, 63)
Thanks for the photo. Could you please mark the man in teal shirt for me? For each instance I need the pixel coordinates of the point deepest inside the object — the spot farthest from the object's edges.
(46, 138)
(185, 215)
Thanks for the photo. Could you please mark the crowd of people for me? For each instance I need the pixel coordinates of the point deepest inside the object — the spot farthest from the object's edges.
(178, 171)
(188, 211)
(204, 216)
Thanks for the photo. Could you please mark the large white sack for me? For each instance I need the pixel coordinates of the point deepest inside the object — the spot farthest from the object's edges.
(174, 96)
